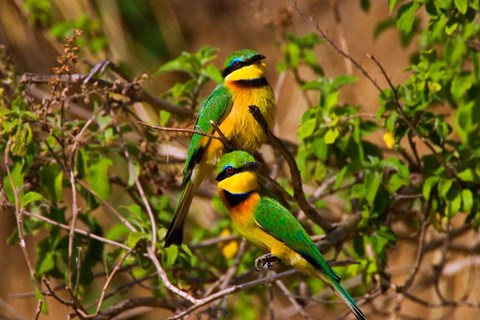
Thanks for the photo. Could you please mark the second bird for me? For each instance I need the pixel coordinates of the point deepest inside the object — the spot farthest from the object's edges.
(244, 85)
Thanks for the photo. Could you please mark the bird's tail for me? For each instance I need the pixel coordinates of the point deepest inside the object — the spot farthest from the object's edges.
(347, 298)
(175, 230)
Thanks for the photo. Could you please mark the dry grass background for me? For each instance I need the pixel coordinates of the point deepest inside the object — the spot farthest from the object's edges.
(229, 25)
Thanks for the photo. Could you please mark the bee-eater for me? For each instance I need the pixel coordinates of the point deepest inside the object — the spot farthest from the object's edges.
(269, 225)
(244, 84)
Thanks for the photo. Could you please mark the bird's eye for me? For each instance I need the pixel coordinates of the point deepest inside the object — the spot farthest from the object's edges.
(229, 170)
(237, 64)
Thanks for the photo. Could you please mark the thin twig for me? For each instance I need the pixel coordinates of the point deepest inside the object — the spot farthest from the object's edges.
(135, 178)
(75, 209)
(79, 231)
(38, 309)
(183, 130)
(109, 279)
(325, 36)
(135, 93)
(225, 279)
(19, 214)
(298, 308)
(202, 302)
(108, 205)
(164, 278)
(294, 172)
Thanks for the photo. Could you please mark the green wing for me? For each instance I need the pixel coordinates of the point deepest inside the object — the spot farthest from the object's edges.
(216, 108)
(276, 220)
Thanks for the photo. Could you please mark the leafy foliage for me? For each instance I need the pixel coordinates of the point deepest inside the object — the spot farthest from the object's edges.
(64, 174)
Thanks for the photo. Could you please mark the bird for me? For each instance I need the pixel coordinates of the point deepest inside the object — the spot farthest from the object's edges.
(270, 226)
(244, 84)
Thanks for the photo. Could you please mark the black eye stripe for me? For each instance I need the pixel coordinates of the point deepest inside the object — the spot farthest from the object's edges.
(250, 166)
(239, 64)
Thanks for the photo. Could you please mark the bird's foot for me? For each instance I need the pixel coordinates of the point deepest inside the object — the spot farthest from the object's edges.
(268, 260)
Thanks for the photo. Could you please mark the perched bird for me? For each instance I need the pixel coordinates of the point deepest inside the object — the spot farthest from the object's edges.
(244, 84)
(270, 226)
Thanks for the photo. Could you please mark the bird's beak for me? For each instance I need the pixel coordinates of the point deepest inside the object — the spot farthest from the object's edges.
(251, 166)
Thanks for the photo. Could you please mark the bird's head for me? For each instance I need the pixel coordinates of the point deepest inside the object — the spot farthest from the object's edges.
(244, 64)
(236, 172)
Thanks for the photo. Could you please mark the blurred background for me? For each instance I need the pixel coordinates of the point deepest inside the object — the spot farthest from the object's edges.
(141, 35)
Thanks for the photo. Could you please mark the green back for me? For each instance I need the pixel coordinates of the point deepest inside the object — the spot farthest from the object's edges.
(216, 108)
(276, 220)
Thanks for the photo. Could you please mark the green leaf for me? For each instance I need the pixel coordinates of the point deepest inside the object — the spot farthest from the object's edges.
(331, 135)
(406, 16)
(467, 175)
(462, 6)
(428, 186)
(467, 200)
(134, 238)
(307, 128)
(454, 206)
(372, 183)
(170, 254)
(98, 178)
(450, 28)
(46, 263)
(444, 186)
(391, 5)
(213, 73)
(51, 180)
(460, 85)
(30, 197)
(17, 180)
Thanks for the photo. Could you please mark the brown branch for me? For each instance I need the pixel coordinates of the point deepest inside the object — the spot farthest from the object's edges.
(109, 279)
(294, 172)
(75, 209)
(135, 93)
(225, 279)
(108, 205)
(131, 303)
(202, 302)
(38, 309)
(325, 36)
(19, 214)
(183, 130)
(79, 231)
(298, 308)
(135, 178)
(164, 278)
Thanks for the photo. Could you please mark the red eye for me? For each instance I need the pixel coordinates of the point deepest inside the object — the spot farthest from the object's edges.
(229, 170)
(237, 64)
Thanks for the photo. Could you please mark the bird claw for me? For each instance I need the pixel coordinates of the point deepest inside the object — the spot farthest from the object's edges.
(267, 260)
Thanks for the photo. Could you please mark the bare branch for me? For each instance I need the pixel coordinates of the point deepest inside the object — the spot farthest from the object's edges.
(79, 231)
(192, 131)
(294, 172)
(135, 93)
(163, 277)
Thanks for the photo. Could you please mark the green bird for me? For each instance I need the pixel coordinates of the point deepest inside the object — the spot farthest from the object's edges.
(244, 84)
(270, 226)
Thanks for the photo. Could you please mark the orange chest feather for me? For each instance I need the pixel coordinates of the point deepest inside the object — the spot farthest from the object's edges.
(242, 212)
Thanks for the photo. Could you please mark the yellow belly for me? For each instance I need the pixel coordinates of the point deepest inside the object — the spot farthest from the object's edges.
(248, 228)
(239, 126)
